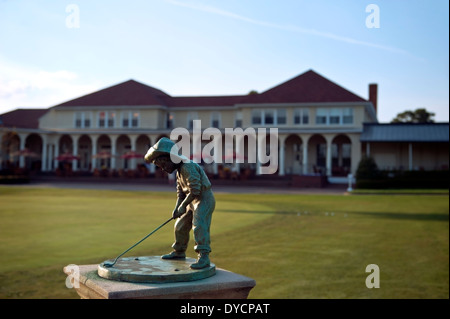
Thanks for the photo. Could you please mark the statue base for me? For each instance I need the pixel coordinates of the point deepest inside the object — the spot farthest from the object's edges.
(223, 285)
(153, 269)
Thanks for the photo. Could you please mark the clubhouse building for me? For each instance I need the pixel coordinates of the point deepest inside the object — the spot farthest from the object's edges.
(323, 129)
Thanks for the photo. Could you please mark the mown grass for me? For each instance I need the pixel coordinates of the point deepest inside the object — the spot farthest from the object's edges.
(294, 246)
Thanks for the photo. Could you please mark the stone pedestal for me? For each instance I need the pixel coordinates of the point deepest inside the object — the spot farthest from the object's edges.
(223, 285)
(153, 269)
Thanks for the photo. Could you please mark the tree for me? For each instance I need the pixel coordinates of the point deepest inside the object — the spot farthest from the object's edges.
(418, 116)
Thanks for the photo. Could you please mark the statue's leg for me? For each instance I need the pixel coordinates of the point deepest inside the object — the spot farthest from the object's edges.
(182, 228)
(201, 224)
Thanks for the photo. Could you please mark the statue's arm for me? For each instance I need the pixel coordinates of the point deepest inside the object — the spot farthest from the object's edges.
(180, 198)
(193, 181)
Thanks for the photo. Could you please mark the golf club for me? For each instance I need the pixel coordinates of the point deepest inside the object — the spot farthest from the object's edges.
(108, 265)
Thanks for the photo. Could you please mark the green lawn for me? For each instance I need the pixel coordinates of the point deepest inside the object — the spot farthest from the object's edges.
(294, 246)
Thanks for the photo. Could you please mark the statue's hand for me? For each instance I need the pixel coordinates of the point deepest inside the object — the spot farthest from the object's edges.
(179, 212)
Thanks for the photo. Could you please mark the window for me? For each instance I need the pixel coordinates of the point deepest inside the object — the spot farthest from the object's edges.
(106, 119)
(269, 117)
(130, 119)
(87, 119)
(335, 116)
(281, 116)
(170, 119)
(301, 116)
(256, 117)
(215, 119)
(102, 119)
(79, 119)
(321, 116)
(347, 116)
(238, 119)
(111, 119)
(135, 119)
(305, 116)
(125, 119)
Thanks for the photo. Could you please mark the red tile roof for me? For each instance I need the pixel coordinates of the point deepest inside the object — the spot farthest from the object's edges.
(308, 87)
(127, 93)
(23, 118)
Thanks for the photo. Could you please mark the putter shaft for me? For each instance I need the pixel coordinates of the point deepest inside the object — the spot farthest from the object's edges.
(108, 265)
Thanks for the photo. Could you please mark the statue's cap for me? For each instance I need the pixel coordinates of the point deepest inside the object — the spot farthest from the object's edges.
(164, 146)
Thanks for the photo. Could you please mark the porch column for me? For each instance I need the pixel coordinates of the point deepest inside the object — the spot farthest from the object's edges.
(44, 154)
(75, 152)
(328, 160)
(23, 137)
(113, 151)
(49, 149)
(133, 139)
(94, 151)
(305, 155)
(281, 156)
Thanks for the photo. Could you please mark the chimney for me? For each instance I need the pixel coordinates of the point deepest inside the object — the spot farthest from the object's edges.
(373, 95)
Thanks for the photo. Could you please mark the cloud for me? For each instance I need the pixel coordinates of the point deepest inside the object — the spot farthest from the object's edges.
(289, 28)
(24, 86)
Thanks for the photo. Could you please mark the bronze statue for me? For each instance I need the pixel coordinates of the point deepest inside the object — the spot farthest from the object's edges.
(195, 201)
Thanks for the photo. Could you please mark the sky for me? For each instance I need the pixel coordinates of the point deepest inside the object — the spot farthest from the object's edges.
(55, 51)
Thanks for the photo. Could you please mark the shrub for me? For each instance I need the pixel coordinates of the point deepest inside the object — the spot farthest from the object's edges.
(367, 169)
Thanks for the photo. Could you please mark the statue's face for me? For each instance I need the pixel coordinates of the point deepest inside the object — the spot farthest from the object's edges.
(165, 164)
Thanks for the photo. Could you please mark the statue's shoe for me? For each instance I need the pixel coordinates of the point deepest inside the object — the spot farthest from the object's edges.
(202, 262)
(175, 255)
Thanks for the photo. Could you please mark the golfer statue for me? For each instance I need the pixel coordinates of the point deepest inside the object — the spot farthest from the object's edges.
(195, 201)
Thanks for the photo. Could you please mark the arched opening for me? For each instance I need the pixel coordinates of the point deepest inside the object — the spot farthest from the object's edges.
(103, 155)
(143, 143)
(84, 153)
(317, 154)
(123, 145)
(33, 152)
(65, 147)
(10, 147)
